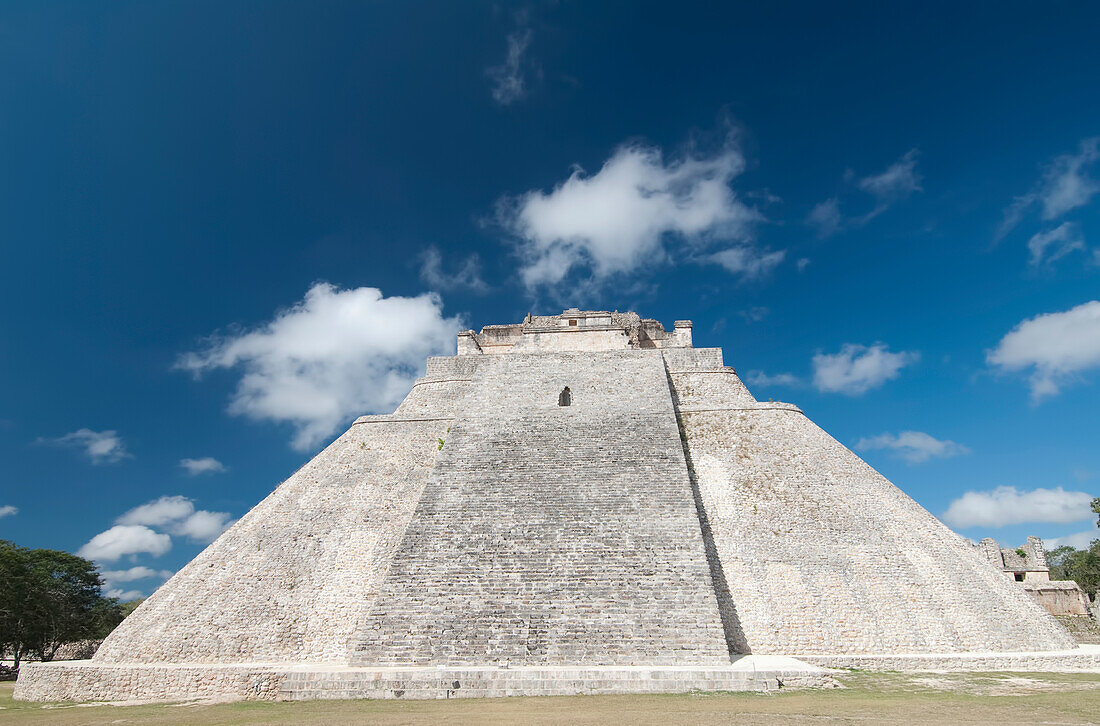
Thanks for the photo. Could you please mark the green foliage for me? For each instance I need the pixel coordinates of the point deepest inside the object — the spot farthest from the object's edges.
(440, 448)
(49, 598)
(125, 608)
(1021, 552)
(1082, 566)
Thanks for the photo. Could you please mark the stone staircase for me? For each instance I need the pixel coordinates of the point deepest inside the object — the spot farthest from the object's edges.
(553, 534)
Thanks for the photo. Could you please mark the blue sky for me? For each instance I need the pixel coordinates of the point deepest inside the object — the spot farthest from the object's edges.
(211, 212)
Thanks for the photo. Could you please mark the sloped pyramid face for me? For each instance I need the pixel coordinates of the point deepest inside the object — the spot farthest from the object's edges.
(664, 516)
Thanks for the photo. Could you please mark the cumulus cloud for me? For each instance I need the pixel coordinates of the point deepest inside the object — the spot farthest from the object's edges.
(1051, 246)
(618, 219)
(125, 539)
(1056, 346)
(133, 533)
(8, 510)
(760, 378)
(177, 514)
(914, 447)
(159, 511)
(1077, 540)
(332, 356)
(117, 577)
(1004, 506)
(857, 369)
(124, 595)
(1065, 185)
(203, 526)
(205, 465)
(466, 277)
(508, 83)
(101, 447)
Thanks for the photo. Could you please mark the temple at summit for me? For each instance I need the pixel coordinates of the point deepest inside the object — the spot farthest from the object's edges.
(578, 503)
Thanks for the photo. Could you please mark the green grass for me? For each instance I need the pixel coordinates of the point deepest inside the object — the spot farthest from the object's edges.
(867, 698)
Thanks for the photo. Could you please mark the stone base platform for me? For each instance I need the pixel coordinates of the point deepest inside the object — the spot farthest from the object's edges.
(1084, 658)
(91, 681)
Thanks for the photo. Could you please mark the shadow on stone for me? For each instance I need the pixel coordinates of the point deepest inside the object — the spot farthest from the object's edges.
(736, 642)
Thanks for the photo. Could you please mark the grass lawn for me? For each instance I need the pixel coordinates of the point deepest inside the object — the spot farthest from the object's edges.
(867, 698)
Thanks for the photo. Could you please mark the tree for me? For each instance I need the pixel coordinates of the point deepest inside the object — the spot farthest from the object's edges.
(66, 601)
(48, 598)
(14, 583)
(1082, 566)
(125, 608)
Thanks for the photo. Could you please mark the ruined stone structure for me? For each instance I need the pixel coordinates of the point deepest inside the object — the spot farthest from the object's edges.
(1027, 565)
(578, 503)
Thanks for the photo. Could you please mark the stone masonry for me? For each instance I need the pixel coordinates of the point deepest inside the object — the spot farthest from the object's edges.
(660, 527)
(1027, 566)
(554, 534)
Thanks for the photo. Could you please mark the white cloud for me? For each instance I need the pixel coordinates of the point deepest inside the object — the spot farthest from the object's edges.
(618, 219)
(467, 276)
(334, 355)
(177, 514)
(125, 540)
(826, 217)
(1050, 246)
(1003, 506)
(205, 465)
(101, 447)
(124, 595)
(116, 577)
(8, 510)
(159, 511)
(203, 526)
(913, 446)
(898, 181)
(509, 85)
(857, 369)
(1057, 346)
(747, 261)
(1077, 540)
(754, 314)
(760, 378)
(1065, 185)
(803, 263)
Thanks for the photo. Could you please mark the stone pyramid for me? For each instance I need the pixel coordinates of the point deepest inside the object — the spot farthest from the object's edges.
(584, 490)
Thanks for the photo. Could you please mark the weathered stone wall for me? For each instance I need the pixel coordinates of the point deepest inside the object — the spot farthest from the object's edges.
(554, 534)
(1059, 597)
(708, 388)
(78, 649)
(823, 555)
(85, 680)
(92, 681)
(294, 577)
